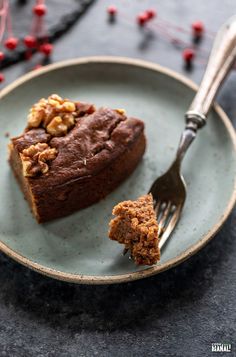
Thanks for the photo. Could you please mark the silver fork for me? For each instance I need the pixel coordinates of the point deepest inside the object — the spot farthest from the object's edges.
(169, 190)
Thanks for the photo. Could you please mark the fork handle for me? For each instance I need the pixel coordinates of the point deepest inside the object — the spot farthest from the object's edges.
(221, 59)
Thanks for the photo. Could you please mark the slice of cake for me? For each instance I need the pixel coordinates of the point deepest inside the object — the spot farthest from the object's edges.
(136, 227)
(71, 155)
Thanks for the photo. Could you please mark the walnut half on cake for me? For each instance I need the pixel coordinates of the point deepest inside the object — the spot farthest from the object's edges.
(71, 155)
(135, 226)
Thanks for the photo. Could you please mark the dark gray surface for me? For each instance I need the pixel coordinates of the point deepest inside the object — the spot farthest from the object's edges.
(177, 313)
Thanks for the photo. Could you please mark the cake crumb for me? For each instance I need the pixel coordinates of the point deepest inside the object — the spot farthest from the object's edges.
(135, 226)
(7, 134)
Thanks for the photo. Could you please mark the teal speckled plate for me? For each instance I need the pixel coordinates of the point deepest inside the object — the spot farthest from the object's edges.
(76, 248)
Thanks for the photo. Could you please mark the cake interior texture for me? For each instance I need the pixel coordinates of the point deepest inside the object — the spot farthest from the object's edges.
(135, 226)
(72, 155)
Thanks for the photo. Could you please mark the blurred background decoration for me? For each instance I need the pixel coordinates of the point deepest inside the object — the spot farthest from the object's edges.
(29, 27)
(29, 30)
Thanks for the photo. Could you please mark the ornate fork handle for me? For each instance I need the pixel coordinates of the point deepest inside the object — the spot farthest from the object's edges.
(221, 59)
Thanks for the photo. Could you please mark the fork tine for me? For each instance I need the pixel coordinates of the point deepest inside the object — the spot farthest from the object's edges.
(125, 250)
(158, 208)
(170, 227)
(164, 217)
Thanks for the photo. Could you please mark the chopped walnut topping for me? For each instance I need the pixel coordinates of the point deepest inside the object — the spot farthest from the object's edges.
(56, 115)
(56, 127)
(69, 106)
(35, 159)
(120, 111)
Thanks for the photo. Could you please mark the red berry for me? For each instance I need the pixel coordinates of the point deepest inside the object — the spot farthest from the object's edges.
(188, 55)
(112, 10)
(198, 28)
(2, 78)
(151, 13)
(30, 41)
(142, 18)
(2, 56)
(11, 43)
(46, 48)
(40, 10)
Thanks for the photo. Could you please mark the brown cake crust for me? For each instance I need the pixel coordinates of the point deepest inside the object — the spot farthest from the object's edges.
(92, 159)
(135, 226)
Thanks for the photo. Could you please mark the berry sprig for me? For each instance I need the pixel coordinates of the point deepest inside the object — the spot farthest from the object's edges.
(189, 50)
(198, 29)
(36, 40)
(11, 42)
(112, 10)
(32, 41)
(144, 17)
(188, 56)
(3, 18)
(40, 9)
(27, 47)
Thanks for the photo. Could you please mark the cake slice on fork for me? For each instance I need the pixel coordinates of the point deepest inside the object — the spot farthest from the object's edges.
(135, 226)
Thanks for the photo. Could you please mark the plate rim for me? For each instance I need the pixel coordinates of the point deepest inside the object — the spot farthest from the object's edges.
(120, 278)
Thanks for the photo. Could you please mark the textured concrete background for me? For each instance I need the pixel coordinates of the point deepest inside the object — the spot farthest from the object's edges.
(178, 313)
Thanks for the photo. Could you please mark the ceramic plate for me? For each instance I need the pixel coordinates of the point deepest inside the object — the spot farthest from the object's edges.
(76, 248)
